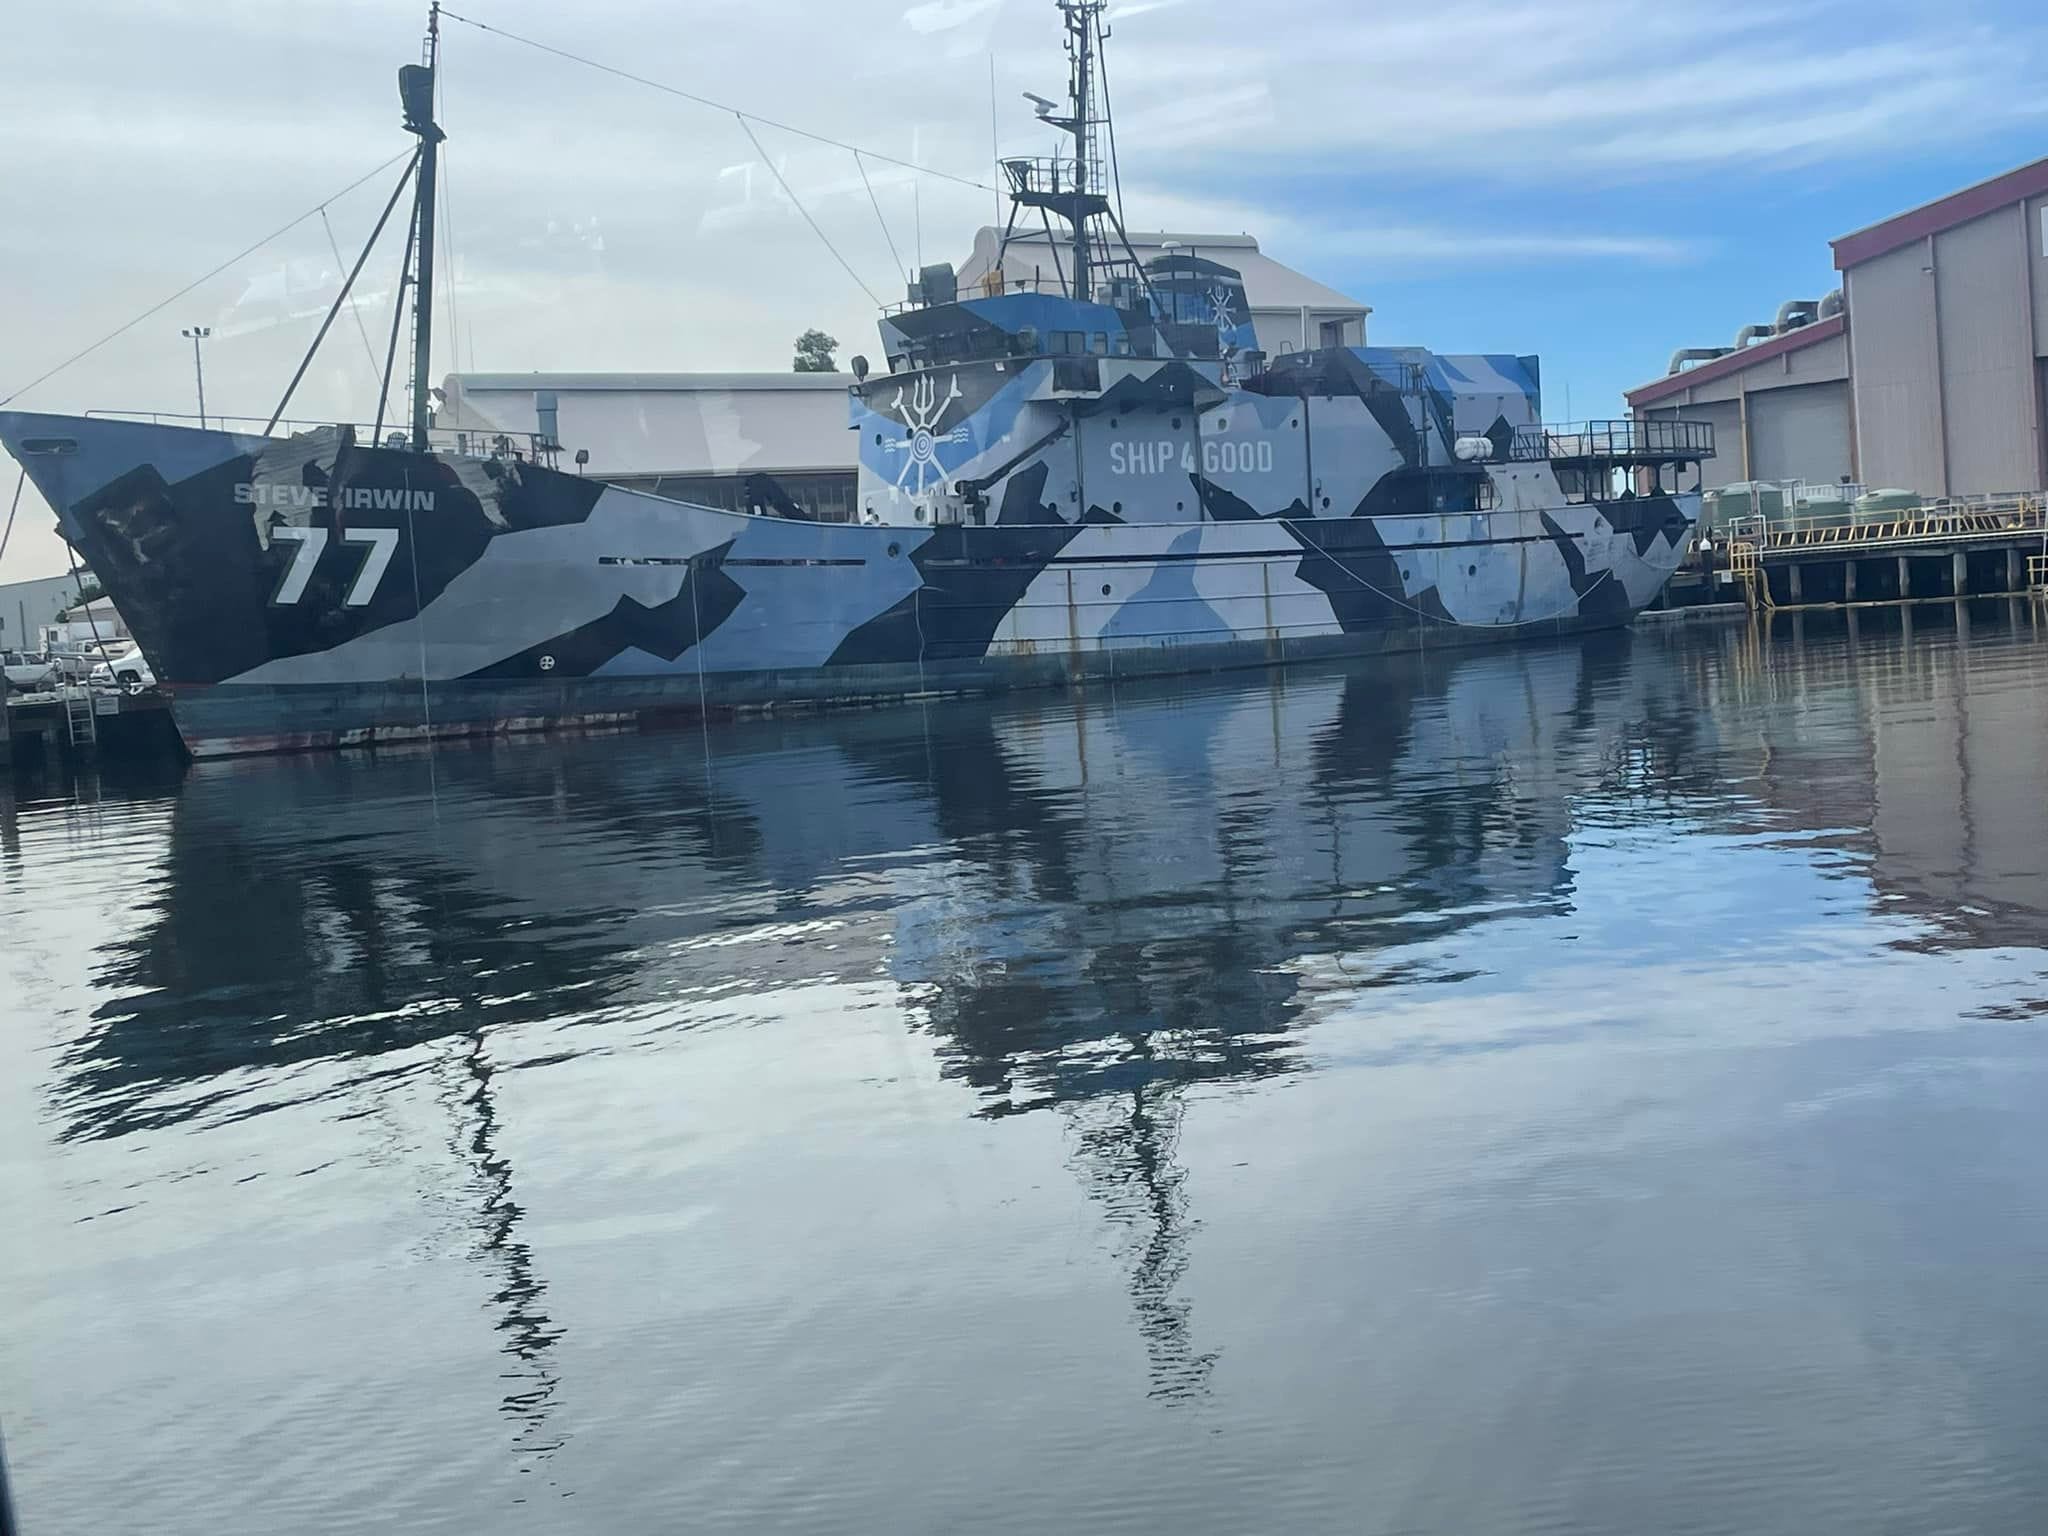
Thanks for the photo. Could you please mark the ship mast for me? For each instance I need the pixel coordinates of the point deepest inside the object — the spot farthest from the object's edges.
(1080, 17)
(416, 92)
(1074, 190)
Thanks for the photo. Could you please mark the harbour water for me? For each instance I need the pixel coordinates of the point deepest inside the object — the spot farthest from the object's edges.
(1591, 1088)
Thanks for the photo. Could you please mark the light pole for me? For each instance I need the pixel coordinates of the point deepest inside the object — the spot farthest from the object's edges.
(196, 334)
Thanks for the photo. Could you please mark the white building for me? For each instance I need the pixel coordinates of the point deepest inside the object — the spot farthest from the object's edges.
(693, 436)
(27, 607)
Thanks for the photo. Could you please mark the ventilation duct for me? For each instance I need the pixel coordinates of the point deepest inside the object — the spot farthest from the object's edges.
(1750, 333)
(1686, 355)
(1831, 305)
(1794, 313)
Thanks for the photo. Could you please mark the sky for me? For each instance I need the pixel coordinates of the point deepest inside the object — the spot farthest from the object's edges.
(1594, 181)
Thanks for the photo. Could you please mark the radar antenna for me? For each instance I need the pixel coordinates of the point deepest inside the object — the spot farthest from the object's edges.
(1075, 188)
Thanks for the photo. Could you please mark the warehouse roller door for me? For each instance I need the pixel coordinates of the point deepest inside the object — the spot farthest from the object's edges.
(1799, 433)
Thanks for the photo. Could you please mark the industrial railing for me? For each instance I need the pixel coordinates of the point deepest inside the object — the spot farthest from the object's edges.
(1984, 517)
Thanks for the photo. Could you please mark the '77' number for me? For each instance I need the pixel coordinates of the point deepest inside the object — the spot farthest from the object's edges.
(379, 544)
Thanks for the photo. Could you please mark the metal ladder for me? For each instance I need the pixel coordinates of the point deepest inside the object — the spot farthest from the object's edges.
(81, 720)
(1745, 561)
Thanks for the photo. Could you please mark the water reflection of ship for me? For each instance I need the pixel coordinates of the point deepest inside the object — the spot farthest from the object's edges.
(529, 1334)
(1098, 906)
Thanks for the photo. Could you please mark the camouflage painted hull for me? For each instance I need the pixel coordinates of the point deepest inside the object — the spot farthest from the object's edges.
(311, 592)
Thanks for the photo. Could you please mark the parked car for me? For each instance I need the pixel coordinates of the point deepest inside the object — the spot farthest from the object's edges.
(27, 674)
(128, 669)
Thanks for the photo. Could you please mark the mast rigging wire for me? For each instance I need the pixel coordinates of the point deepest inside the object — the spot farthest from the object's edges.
(335, 246)
(789, 192)
(412, 233)
(348, 283)
(447, 215)
(208, 276)
(706, 101)
(893, 256)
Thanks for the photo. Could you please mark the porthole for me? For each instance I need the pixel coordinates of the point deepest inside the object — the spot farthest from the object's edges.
(1326, 503)
(878, 439)
(895, 550)
(1112, 423)
(1295, 423)
(1176, 423)
(1105, 589)
(1471, 570)
(1117, 507)
(1406, 573)
(1180, 506)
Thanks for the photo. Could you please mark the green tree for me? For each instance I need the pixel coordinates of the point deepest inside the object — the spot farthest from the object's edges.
(814, 353)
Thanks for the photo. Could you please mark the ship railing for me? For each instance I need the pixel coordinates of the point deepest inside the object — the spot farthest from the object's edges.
(459, 442)
(1620, 442)
(994, 284)
(1046, 176)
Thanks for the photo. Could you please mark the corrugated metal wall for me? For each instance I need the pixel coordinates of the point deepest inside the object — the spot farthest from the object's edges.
(2037, 258)
(1987, 364)
(1894, 371)
(1944, 333)
(1725, 416)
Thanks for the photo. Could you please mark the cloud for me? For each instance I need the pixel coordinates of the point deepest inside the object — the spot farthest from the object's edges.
(1585, 93)
(1315, 243)
(947, 15)
(1396, 243)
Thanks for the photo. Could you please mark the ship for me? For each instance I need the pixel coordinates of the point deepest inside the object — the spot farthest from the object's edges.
(1061, 481)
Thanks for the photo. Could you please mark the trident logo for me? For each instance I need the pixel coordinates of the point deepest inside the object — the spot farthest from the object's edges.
(1220, 309)
(921, 415)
